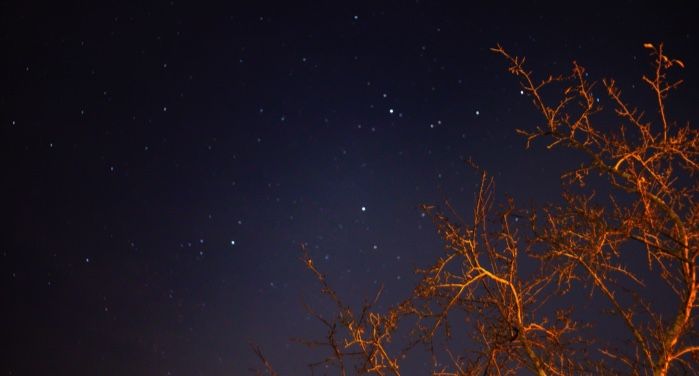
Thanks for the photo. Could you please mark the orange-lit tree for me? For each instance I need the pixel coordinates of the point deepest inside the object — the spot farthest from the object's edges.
(511, 281)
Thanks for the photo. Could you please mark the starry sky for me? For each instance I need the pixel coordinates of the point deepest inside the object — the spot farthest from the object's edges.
(165, 160)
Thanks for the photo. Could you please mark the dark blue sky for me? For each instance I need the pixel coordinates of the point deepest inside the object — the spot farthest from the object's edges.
(165, 160)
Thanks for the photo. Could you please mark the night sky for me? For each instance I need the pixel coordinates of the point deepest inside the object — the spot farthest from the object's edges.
(164, 161)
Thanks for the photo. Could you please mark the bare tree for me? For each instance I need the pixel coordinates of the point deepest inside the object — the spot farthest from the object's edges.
(625, 230)
(651, 167)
